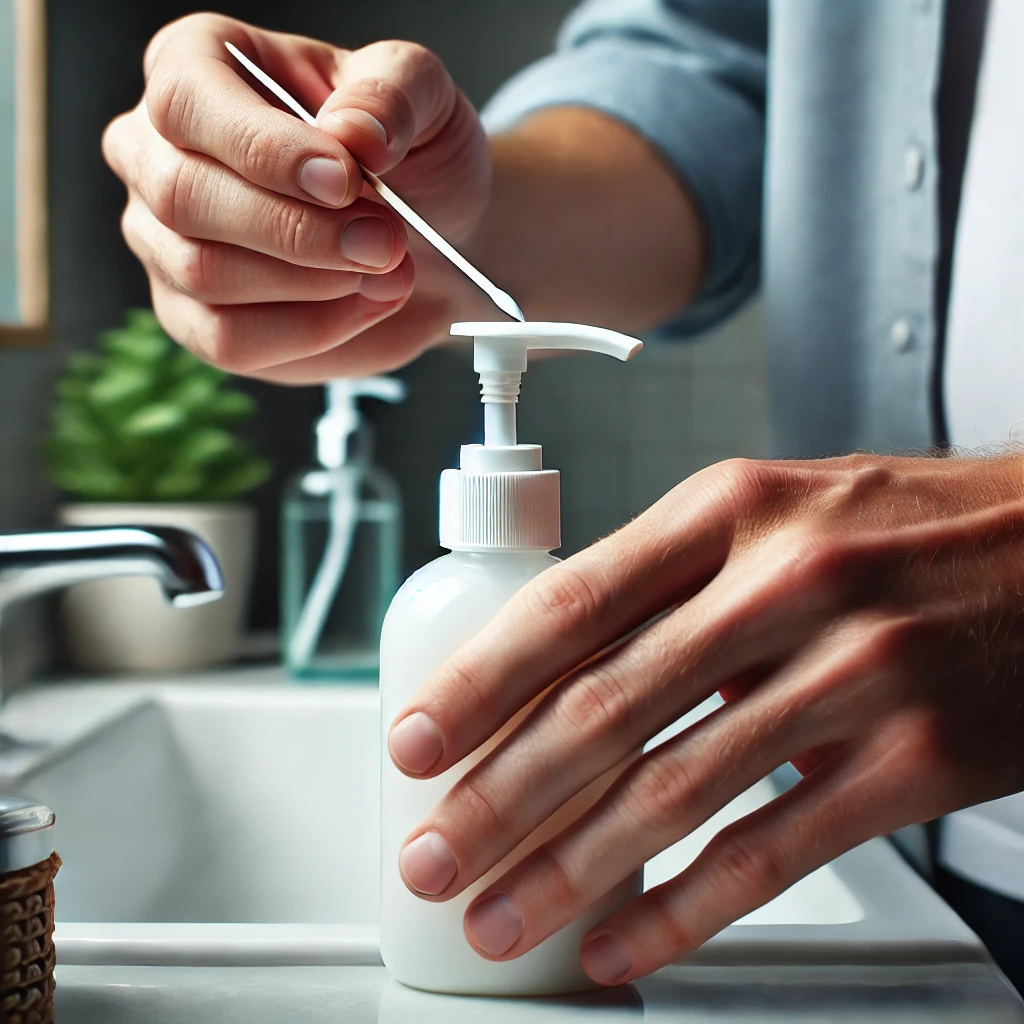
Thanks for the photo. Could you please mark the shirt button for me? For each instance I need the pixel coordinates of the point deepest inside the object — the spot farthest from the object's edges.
(901, 335)
(913, 168)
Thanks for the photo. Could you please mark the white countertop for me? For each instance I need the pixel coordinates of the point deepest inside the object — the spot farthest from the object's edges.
(912, 994)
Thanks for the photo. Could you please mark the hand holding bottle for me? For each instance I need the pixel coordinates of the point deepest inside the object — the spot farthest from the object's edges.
(861, 616)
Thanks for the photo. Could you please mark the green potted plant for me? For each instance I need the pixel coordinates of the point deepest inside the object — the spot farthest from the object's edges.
(142, 433)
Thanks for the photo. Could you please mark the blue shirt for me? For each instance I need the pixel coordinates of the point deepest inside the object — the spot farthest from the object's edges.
(838, 199)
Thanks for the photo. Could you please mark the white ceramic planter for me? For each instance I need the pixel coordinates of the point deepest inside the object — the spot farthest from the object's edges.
(124, 624)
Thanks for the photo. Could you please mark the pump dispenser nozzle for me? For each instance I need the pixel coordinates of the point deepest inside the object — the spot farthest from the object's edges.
(500, 357)
(340, 423)
(501, 498)
(342, 418)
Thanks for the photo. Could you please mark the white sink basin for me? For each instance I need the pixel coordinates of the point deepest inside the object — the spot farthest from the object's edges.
(235, 823)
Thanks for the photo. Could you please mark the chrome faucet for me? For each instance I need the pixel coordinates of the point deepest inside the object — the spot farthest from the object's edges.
(32, 563)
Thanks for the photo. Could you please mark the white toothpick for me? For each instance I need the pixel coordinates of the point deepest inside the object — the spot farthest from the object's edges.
(500, 298)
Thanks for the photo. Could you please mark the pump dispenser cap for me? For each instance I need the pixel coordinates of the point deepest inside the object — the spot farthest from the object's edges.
(515, 508)
(501, 498)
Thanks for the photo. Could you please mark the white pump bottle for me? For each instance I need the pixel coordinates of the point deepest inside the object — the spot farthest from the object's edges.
(500, 520)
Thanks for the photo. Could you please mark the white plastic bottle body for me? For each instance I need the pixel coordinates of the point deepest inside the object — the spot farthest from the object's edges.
(423, 944)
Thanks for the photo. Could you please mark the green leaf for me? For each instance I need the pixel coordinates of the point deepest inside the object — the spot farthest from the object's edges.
(243, 476)
(73, 427)
(134, 347)
(96, 481)
(178, 485)
(144, 420)
(230, 407)
(120, 384)
(72, 388)
(206, 445)
(193, 393)
(154, 420)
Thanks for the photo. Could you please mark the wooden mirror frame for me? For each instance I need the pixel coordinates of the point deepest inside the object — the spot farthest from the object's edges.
(30, 177)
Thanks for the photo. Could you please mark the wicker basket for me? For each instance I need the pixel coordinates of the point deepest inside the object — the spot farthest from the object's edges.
(26, 944)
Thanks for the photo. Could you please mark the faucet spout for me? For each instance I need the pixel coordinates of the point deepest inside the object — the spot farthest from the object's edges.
(32, 563)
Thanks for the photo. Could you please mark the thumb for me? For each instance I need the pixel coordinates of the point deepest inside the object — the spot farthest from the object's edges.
(389, 97)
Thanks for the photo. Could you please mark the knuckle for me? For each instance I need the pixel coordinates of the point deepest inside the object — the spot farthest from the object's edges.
(667, 922)
(170, 100)
(388, 98)
(416, 53)
(217, 341)
(396, 52)
(748, 863)
(201, 21)
(110, 144)
(256, 152)
(596, 703)
(169, 188)
(124, 143)
(928, 745)
(563, 597)
(474, 804)
(816, 561)
(131, 230)
(462, 677)
(664, 790)
(862, 477)
(744, 485)
(884, 646)
(194, 270)
(866, 664)
(294, 229)
(562, 891)
(422, 74)
(429, 68)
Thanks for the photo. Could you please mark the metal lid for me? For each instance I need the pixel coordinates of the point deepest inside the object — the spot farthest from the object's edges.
(26, 833)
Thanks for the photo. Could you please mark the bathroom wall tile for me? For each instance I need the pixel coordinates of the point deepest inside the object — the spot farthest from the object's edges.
(595, 498)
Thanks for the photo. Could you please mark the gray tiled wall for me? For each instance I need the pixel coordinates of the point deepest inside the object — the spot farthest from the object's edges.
(630, 433)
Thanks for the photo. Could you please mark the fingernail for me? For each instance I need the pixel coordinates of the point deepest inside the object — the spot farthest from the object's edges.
(360, 119)
(606, 959)
(383, 287)
(415, 743)
(494, 925)
(428, 864)
(324, 179)
(369, 241)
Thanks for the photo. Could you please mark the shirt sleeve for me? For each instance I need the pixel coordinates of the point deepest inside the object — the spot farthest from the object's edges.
(689, 75)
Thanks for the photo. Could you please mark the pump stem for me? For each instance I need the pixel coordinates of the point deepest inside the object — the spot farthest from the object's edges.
(499, 392)
(499, 425)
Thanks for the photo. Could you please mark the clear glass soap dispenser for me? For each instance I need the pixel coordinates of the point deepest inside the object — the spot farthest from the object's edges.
(341, 539)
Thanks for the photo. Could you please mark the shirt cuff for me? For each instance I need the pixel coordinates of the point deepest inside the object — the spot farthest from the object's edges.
(711, 135)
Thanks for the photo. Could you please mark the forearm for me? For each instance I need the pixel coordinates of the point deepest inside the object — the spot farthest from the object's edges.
(586, 222)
